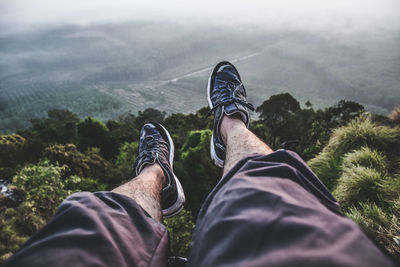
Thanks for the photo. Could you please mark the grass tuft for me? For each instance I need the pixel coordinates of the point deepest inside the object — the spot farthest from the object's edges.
(361, 132)
(366, 157)
(327, 168)
(358, 184)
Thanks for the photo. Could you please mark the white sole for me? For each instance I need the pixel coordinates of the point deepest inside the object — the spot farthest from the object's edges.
(178, 205)
(217, 161)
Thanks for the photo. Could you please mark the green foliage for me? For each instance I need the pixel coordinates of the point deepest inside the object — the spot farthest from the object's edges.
(93, 133)
(125, 159)
(327, 167)
(43, 187)
(362, 132)
(10, 239)
(179, 125)
(180, 230)
(124, 129)
(366, 157)
(12, 148)
(89, 164)
(60, 154)
(358, 185)
(59, 127)
(382, 225)
(364, 177)
(76, 183)
(306, 131)
(70, 156)
(43, 190)
(195, 170)
(149, 114)
(278, 107)
(275, 113)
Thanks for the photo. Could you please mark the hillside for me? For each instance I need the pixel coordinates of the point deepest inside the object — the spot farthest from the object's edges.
(103, 70)
(354, 153)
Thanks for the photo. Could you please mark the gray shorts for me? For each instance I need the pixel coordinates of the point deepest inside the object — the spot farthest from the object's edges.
(267, 211)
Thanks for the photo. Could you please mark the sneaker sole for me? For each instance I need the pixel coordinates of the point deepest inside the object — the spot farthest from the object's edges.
(217, 161)
(178, 205)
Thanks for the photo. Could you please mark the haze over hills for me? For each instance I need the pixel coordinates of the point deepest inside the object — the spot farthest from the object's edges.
(106, 69)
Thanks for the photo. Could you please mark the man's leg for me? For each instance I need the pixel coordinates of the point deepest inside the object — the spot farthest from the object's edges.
(240, 142)
(146, 189)
(269, 209)
(118, 228)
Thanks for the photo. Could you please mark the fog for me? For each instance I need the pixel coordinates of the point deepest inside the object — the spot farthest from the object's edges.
(104, 58)
(313, 15)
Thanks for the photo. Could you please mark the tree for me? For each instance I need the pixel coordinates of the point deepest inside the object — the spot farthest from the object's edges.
(275, 113)
(93, 133)
(124, 129)
(195, 169)
(12, 148)
(180, 230)
(150, 114)
(59, 127)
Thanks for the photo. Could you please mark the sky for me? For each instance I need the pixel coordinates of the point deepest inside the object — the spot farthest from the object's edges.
(20, 15)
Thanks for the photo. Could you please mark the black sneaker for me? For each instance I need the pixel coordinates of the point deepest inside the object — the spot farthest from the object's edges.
(226, 96)
(156, 146)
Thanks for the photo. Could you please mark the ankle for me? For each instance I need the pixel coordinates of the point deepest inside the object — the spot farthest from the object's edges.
(229, 125)
(156, 171)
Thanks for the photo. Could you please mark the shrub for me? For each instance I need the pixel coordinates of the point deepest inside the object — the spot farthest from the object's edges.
(358, 184)
(391, 189)
(43, 187)
(361, 132)
(366, 157)
(10, 239)
(12, 148)
(90, 164)
(195, 169)
(125, 159)
(70, 156)
(180, 230)
(327, 167)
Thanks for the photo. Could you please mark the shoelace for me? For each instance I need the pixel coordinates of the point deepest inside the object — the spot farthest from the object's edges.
(229, 96)
(149, 145)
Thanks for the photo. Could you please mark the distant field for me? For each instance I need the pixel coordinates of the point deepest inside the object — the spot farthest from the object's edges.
(106, 70)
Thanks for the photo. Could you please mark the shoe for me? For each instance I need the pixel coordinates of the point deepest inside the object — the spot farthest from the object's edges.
(226, 96)
(156, 146)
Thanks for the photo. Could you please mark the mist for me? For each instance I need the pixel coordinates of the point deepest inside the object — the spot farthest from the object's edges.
(313, 15)
(104, 58)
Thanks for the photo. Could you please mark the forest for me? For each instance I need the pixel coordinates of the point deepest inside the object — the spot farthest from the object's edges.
(355, 153)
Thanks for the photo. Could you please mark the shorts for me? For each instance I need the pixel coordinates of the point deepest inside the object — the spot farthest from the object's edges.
(269, 210)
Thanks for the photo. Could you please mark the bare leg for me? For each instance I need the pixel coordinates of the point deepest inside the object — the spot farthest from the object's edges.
(146, 189)
(239, 142)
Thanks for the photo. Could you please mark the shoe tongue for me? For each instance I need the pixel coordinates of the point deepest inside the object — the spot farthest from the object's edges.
(149, 126)
(228, 76)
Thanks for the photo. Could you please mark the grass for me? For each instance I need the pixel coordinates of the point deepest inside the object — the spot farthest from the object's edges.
(358, 184)
(366, 157)
(360, 165)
